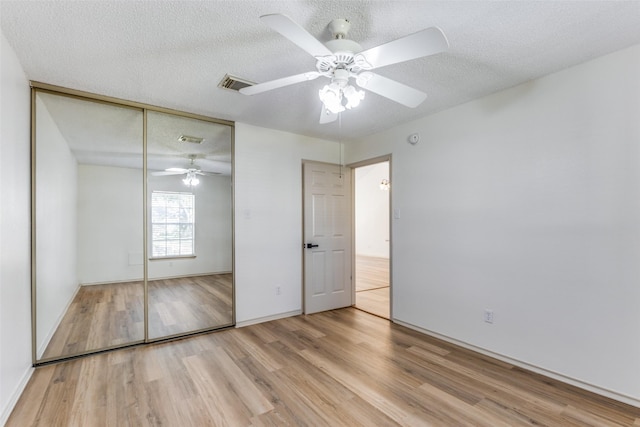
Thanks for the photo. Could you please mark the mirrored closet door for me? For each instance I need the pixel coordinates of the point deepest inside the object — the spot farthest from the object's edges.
(189, 224)
(131, 221)
(89, 289)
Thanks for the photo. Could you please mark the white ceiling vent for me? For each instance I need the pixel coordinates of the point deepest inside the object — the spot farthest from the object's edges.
(234, 83)
(190, 139)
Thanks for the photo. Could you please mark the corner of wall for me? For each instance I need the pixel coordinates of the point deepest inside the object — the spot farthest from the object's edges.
(15, 259)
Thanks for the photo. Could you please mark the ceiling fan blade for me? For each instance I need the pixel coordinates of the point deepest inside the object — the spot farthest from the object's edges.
(327, 116)
(207, 173)
(294, 32)
(278, 83)
(165, 173)
(423, 43)
(392, 89)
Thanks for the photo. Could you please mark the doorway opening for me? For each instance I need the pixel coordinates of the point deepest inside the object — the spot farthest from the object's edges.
(372, 237)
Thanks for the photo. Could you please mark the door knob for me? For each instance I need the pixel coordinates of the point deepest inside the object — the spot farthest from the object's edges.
(311, 245)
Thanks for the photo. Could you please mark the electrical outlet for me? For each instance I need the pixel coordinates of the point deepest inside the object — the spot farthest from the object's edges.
(488, 316)
(278, 290)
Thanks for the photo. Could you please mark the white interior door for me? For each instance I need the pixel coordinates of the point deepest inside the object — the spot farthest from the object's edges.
(327, 237)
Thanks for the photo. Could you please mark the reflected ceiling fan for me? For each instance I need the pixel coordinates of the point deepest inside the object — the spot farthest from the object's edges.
(341, 59)
(191, 172)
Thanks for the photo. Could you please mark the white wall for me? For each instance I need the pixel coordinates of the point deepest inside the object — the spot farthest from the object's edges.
(527, 202)
(15, 261)
(372, 211)
(56, 249)
(268, 218)
(110, 230)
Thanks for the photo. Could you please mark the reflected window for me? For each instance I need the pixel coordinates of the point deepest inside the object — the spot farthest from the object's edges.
(172, 224)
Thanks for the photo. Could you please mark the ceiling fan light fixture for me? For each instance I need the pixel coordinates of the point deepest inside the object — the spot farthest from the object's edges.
(333, 97)
(191, 179)
(353, 96)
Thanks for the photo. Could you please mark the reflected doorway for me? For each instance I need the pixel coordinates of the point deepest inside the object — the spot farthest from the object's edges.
(372, 263)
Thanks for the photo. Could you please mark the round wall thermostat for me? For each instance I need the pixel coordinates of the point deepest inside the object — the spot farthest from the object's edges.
(414, 138)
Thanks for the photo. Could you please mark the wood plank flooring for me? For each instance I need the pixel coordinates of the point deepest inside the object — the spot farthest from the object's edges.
(103, 316)
(189, 304)
(372, 285)
(338, 368)
(371, 272)
(374, 301)
(100, 316)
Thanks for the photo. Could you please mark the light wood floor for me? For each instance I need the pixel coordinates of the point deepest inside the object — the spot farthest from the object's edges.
(189, 304)
(338, 368)
(372, 285)
(100, 316)
(103, 316)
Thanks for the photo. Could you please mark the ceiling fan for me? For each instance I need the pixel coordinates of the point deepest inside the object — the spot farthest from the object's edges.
(341, 59)
(191, 172)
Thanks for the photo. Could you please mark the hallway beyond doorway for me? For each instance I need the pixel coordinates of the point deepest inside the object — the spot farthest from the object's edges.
(372, 285)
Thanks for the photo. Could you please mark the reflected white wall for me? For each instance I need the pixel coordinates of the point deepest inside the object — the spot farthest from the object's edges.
(110, 227)
(111, 232)
(56, 216)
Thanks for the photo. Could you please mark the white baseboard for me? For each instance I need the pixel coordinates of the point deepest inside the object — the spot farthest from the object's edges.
(630, 400)
(6, 411)
(268, 318)
(54, 328)
(183, 276)
(151, 279)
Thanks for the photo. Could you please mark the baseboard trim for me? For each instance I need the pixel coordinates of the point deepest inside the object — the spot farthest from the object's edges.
(151, 279)
(45, 342)
(11, 404)
(620, 397)
(268, 318)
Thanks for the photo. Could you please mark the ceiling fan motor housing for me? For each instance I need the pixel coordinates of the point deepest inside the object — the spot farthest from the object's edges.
(343, 45)
(339, 28)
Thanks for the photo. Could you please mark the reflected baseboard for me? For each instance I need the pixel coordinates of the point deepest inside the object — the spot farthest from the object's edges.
(47, 339)
(182, 276)
(140, 279)
(115, 282)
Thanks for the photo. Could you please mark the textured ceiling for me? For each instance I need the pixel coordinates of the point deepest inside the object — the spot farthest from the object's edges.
(174, 54)
(104, 134)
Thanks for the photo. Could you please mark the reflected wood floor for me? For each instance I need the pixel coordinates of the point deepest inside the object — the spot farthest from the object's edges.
(372, 285)
(103, 316)
(337, 368)
(189, 304)
(100, 316)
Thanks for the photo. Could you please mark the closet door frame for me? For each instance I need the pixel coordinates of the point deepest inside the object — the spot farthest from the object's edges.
(39, 87)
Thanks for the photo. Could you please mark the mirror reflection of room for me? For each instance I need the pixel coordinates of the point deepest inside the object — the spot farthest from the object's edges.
(189, 223)
(89, 221)
(88, 226)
